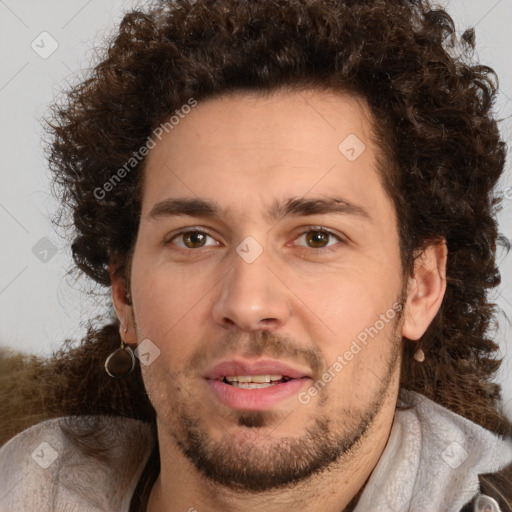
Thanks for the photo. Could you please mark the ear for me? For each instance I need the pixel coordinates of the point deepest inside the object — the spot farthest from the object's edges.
(122, 306)
(426, 290)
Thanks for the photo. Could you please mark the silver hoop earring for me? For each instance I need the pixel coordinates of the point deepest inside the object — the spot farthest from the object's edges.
(121, 362)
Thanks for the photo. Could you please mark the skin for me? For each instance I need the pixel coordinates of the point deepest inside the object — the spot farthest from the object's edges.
(302, 301)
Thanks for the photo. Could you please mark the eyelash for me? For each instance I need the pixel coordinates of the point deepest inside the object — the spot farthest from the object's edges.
(310, 229)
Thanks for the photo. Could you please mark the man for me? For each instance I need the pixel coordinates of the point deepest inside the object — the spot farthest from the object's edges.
(292, 205)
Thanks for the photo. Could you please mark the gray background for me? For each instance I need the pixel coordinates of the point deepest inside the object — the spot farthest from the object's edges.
(47, 45)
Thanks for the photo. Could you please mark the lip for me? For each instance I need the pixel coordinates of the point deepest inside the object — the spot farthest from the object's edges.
(255, 399)
(261, 367)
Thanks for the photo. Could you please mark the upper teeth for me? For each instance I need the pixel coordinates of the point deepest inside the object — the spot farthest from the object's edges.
(253, 378)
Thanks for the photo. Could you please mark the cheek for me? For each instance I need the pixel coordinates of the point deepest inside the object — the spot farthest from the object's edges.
(160, 282)
(168, 305)
(164, 387)
(358, 316)
(349, 301)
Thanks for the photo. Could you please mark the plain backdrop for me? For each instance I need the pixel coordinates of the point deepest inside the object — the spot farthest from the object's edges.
(45, 46)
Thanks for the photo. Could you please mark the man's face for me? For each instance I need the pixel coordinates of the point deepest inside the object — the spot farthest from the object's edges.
(291, 270)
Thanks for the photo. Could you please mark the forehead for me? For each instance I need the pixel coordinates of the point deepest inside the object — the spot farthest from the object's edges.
(249, 151)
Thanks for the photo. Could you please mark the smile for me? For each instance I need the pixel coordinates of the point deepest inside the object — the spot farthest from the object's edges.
(254, 381)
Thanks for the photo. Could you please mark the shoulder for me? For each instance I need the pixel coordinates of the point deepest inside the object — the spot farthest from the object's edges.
(92, 462)
(432, 460)
(461, 453)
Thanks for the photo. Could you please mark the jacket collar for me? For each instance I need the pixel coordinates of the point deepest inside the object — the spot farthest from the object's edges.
(432, 460)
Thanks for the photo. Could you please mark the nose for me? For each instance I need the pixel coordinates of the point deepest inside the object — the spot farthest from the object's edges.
(252, 297)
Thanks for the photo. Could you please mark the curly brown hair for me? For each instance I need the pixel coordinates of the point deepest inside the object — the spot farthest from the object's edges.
(433, 120)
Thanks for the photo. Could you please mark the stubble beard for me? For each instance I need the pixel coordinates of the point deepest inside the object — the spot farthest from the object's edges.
(257, 464)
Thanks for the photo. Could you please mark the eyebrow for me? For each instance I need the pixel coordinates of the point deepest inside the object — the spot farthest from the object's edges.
(294, 207)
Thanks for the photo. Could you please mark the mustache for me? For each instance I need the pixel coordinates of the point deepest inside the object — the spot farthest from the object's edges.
(257, 344)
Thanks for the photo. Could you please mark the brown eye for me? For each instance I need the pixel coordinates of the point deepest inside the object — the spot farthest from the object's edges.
(194, 239)
(317, 239)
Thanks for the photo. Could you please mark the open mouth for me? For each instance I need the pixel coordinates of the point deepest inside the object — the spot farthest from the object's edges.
(254, 392)
(254, 381)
